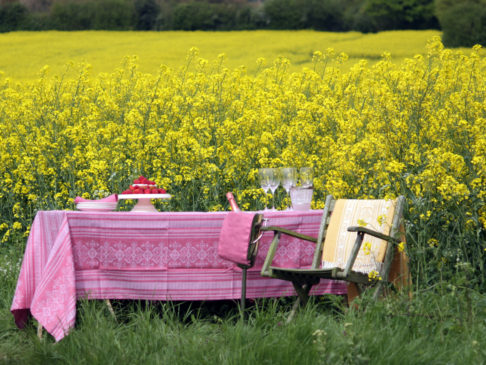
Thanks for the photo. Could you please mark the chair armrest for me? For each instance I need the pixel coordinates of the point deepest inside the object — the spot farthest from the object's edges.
(278, 231)
(373, 233)
(361, 231)
(288, 232)
(266, 268)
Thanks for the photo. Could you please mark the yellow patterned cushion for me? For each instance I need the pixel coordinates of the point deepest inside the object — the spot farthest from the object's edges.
(374, 214)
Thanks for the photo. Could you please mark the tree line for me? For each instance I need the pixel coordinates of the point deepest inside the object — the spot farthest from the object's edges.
(463, 22)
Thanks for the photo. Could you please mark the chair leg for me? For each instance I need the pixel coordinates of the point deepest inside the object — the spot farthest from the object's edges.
(354, 291)
(243, 290)
(302, 298)
(39, 330)
(302, 291)
(110, 308)
(378, 290)
(294, 310)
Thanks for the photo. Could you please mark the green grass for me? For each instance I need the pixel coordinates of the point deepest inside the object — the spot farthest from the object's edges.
(443, 325)
(387, 332)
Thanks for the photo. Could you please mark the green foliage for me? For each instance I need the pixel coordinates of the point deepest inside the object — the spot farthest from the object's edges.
(113, 14)
(37, 22)
(324, 14)
(71, 16)
(202, 15)
(459, 258)
(205, 15)
(12, 16)
(396, 14)
(332, 15)
(193, 15)
(146, 12)
(310, 14)
(354, 17)
(92, 14)
(250, 18)
(327, 15)
(284, 14)
(463, 22)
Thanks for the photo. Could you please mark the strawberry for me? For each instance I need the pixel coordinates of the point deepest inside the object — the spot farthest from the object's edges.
(162, 191)
(146, 191)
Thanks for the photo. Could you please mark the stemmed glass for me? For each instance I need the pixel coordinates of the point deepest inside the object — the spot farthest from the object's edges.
(265, 175)
(274, 183)
(306, 177)
(289, 179)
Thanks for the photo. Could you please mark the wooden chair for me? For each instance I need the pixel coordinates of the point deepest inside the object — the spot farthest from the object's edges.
(356, 242)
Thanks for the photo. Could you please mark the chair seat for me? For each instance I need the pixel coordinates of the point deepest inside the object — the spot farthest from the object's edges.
(303, 276)
(290, 271)
(313, 276)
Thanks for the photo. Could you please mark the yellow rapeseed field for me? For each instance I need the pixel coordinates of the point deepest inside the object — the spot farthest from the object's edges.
(24, 54)
(202, 126)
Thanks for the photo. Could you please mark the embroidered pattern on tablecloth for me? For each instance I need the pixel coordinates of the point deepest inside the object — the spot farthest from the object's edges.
(195, 254)
(112, 254)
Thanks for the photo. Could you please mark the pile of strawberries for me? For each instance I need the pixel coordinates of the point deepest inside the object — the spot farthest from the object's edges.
(142, 185)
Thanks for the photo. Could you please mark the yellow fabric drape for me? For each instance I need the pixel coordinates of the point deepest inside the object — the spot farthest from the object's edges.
(374, 214)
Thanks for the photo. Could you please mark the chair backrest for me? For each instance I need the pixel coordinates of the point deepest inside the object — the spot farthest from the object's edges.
(239, 237)
(375, 214)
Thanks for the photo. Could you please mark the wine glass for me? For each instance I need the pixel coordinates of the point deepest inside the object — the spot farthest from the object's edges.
(289, 179)
(265, 177)
(306, 177)
(274, 183)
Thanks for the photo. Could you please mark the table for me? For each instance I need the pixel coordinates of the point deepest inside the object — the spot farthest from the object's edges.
(149, 256)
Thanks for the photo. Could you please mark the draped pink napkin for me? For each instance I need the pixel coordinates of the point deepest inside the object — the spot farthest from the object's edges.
(109, 199)
(234, 238)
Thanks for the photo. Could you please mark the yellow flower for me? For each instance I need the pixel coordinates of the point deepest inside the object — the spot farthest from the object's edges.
(367, 248)
(374, 276)
(6, 236)
(381, 219)
(401, 246)
(362, 223)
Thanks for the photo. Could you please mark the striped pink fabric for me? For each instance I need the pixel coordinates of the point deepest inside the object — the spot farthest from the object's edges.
(148, 256)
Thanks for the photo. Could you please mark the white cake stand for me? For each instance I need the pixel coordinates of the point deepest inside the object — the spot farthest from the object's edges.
(144, 203)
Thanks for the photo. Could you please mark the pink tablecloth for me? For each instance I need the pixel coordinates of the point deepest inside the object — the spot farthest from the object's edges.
(153, 256)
